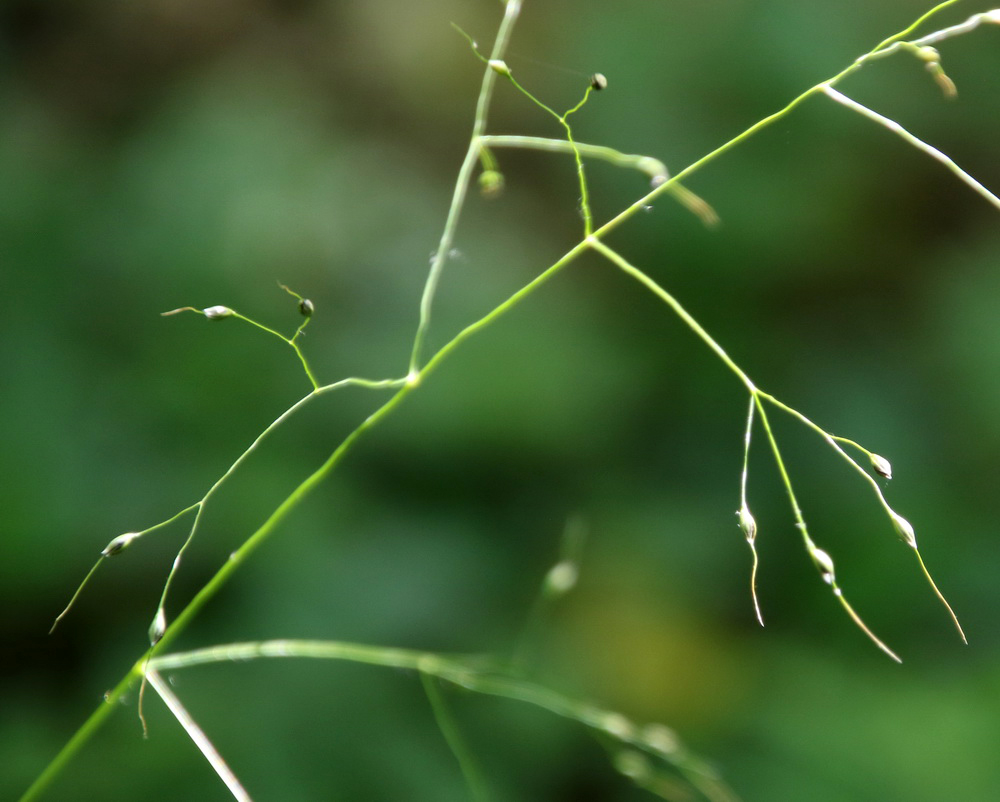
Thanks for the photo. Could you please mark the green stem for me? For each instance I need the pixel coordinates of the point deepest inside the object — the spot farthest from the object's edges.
(512, 9)
(654, 168)
(472, 675)
(931, 151)
(238, 557)
(650, 197)
(747, 522)
(617, 259)
(453, 736)
(826, 570)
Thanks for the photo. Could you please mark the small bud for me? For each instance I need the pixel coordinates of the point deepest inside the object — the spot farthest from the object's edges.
(598, 82)
(661, 738)
(217, 312)
(881, 466)
(561, 578)
(747, 523)
(119, 544)
(825, 563)
(616, 725)
(904, 529)
(499, 67)
(633, 764)
(490, 183)
(158, 627)
(928, 55)
(306, 307)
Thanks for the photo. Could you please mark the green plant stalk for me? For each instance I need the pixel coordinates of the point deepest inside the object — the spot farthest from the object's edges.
(416, 375)
(512, 9)
(199, 505)
(459, 748)
(711, 156)
(588, 216)
(241, 554)
(288, 341)
(810, 546)
(832, 442)
(757, 395)
(105, 555)
(197, 735)
(654, 168)
(747, 522)
(931, 151)
(467, 673)
(623, 264)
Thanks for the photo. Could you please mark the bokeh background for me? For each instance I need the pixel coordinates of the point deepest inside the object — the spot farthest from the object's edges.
(171, 152)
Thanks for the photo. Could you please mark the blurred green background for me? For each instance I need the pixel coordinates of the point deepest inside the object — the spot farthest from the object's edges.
(171, 152)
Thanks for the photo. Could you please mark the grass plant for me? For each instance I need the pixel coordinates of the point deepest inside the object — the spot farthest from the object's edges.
(650, 754)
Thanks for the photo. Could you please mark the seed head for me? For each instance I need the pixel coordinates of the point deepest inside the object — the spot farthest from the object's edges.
(881, 466)
(158, 627)
(217, 312)
(904, 529)
(747, 523)
(499, 66)
(598, 82)
(490, 183)
(825, 563)
(119, 544)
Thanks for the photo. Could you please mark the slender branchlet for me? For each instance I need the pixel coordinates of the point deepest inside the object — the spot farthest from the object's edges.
(559, 580)
(453, 736)
(305, 309)
(746, 519)
(197, 735)
(654, 168)
(655, 741)
(882, 467)
(822, 560)
(896, 128)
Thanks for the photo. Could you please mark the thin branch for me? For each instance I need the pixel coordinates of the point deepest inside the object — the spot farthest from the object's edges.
(931, 151)
(196, 734)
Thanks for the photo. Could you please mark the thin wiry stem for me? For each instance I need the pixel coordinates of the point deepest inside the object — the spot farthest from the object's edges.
(478, 676)
(747, 522)
(756, 395)
(196, 734)
(111, 551)
(968, 26)
(459, 748)
(511, 12)
(931, 151)
(617, 259)
(906, 532)
(711, 156)
(654, 168)
(588, 217)
(820, 558)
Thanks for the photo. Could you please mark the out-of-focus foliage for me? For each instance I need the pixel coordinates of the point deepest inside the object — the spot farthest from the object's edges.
(160, 153)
